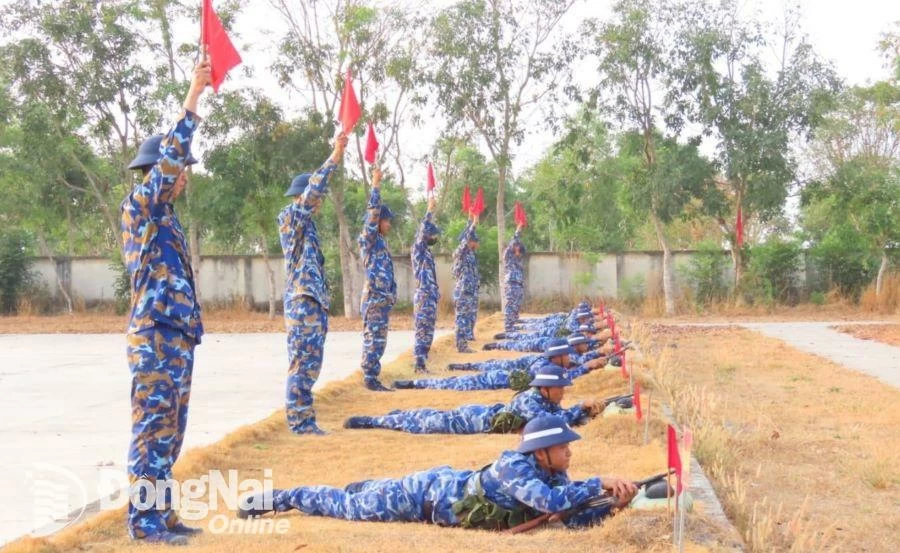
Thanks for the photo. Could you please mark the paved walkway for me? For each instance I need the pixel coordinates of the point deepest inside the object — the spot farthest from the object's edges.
(868, 356)
(64, 414)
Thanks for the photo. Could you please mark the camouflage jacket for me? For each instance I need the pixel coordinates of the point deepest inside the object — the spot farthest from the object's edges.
(423, 259)
(373, 250)
(514, 264)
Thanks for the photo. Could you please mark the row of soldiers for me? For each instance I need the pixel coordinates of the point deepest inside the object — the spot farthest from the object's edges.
(165, 326)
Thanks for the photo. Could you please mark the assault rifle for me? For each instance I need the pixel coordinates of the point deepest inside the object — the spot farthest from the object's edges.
(604, 500)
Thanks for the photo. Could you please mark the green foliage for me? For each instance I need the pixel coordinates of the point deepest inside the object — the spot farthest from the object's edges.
(845, 259)
(817, 298)
(121, 286)
(632, 291)
(706, 273)
(771, 274)
(15, 268)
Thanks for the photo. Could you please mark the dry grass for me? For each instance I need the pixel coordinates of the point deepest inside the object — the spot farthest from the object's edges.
(889, 300)
(228, 320)
(804, 453)
(886, 333)
(610, 446)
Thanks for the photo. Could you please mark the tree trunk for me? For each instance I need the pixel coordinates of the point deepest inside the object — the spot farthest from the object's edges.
(349, 266)
(501, 227)
(46, 252)
(270, 273)
(668, 275)
(882, 270)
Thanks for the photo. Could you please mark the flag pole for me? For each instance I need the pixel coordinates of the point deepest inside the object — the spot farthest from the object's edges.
(647, 417)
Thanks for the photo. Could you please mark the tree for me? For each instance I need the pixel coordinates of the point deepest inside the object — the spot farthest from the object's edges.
(857, 148)
(491, 61)
(378, 45)
(722, 85)
(631, 50)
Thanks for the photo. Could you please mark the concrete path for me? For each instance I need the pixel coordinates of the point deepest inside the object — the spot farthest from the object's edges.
(64, 414)
(868, 356)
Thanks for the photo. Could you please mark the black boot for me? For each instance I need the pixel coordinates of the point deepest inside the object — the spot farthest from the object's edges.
(404, 384)
(490, 346)
(461, 367)
(376, 386)
(421, 369)
(499, 336)
(256, 505)
(182, 529)
(359, 422)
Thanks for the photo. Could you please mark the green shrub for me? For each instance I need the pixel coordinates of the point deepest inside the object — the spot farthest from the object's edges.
(121, 286)
(845, 261)
(771, 275)
(632, 291)
(706, 273)
(817, 298)
(15, 269)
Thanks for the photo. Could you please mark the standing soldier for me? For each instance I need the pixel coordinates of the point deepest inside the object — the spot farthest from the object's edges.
(165, 318)
(465, 294)
(306, 298)
(380, 291)
(427, 294)
(514, 279)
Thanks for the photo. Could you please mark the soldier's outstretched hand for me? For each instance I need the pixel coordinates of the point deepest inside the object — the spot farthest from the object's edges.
(376, 178)
(622, 489)
(340, 145)
(431, 203)
(201, 79)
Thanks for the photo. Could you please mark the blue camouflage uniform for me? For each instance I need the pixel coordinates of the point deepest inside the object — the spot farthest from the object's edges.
(427, 294)
(380, 290)
(476, 419)
(499, 364)
(514, 481)
(497, 379)
(306, 299)
(532, 344)
(465, 293)
(164, 324)
(514, 280)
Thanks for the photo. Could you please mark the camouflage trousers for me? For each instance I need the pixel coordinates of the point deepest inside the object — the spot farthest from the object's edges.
(161, 360)
(466, 313)
(514, 295)
(468, 419)
(306, 330)
(425, 496)
(488, 380)
(533, 344)
(376, 314)
(425, 313)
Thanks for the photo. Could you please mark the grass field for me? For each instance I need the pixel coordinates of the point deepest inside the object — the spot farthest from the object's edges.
(886, 333)
(610, 446)
(804, 453)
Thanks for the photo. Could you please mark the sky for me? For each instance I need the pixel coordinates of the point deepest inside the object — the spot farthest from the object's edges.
(844, 32)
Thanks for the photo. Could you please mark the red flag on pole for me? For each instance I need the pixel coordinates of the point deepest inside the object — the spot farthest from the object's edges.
(520, 217)
(638, 412)
(674, 457)
(222, 55)
(478, 206)
(431, 182)
(371, 145)
(624, 364)
(349, 112)
(739, 228)
(467, 200)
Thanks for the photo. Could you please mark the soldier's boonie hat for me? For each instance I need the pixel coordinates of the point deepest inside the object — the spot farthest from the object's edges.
(550, 376)
(583, 313)
(386, 212)
(298, 185)
(575, 339)
(558, 347)
(148, 154)
(431, 230)
(545, 431)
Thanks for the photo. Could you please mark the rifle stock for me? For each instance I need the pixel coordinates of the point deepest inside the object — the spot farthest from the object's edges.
(593, 502)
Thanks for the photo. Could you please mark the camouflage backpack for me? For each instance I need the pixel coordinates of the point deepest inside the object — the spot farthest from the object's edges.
(476, 511)
(506, 422)
(520, 380)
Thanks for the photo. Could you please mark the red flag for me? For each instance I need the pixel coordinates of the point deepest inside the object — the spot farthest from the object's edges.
(371, 145)
(431, 182)
(739, 228)
(478, 206)
(519, 214)
(467, 200)
(674, 457)
(349, 112)
(638, 412)
(222, 55)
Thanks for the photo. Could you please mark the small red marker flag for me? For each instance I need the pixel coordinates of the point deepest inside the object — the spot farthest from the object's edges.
(520, 217)
(371, 145)
(674, 457)
(467, 200)
(350, 111)
(478, 206)
(222, 55)
(739, 228)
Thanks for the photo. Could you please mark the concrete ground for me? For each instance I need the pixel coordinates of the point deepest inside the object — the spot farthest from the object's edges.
(65, 411)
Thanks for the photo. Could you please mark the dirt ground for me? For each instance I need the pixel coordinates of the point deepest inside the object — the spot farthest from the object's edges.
(609, 446)
(804, 453)
(885, 333)
(219, 321)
